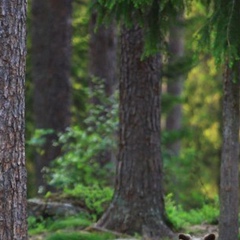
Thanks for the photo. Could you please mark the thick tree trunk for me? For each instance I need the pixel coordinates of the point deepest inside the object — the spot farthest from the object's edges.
(138, 204)
(13, 176)
(51, 53)
(229, 185)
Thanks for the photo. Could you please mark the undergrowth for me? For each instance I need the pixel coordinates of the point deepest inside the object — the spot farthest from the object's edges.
(96, 198)
(181, 218)
(70, 223)
(38, 226)
(79, 236)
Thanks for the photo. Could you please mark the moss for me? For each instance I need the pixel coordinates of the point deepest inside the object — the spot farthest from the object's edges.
(79, 236)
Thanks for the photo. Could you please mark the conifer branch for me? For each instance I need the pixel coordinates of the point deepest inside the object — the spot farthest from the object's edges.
(229, 23)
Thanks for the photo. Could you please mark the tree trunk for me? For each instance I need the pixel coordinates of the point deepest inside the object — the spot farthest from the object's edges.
(138, 204)
(51, 53)
(229, 186)
(13, 175)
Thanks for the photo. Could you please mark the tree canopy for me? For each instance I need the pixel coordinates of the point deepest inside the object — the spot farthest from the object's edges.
(221, 31)
(153, 16)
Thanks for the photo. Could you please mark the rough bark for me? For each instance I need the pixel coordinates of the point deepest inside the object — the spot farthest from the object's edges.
(51, 53)
(138, 205)
(13, 176)
(229, 185)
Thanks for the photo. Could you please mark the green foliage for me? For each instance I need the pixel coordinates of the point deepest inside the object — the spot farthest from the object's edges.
(95, 198)
(78, 164)
(221, 31)
(182, 171)
(194, 170)
(39, 139)
(79, 236)
(180, 67)
(102, 115)
(180, 218)
(168, 102)
(153, 16)
(79, 61)
(37, 226)
(79, 76)
(70, 223)
(202, 111)
(83, 146)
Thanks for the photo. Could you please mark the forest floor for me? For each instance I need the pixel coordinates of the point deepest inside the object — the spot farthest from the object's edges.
(201, 230)
(195, 230)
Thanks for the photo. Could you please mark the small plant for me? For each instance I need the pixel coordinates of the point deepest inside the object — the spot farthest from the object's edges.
(36, 226)
(96, 198)
(180, 218)
(82, 161)
(78, 163)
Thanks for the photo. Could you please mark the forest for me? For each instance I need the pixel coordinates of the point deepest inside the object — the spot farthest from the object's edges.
(119, 119)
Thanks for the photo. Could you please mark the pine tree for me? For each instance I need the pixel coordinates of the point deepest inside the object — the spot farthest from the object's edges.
(138, 204)
(13, 175)
(221, 34)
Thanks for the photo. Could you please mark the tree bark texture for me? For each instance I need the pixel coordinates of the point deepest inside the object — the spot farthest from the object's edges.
(229, 185)
(13, 175)
(138, 205)
(51, 55)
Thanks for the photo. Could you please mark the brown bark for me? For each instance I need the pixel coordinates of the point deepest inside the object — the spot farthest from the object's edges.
(51, 53)
(229, 186)
(13, 176)
(138, 204)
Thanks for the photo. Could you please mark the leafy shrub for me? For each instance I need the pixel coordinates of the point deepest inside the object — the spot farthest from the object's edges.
(39, 139)
(96, 198)
(78, 164)
(36, 226)
(180, 218)
(82, 145)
